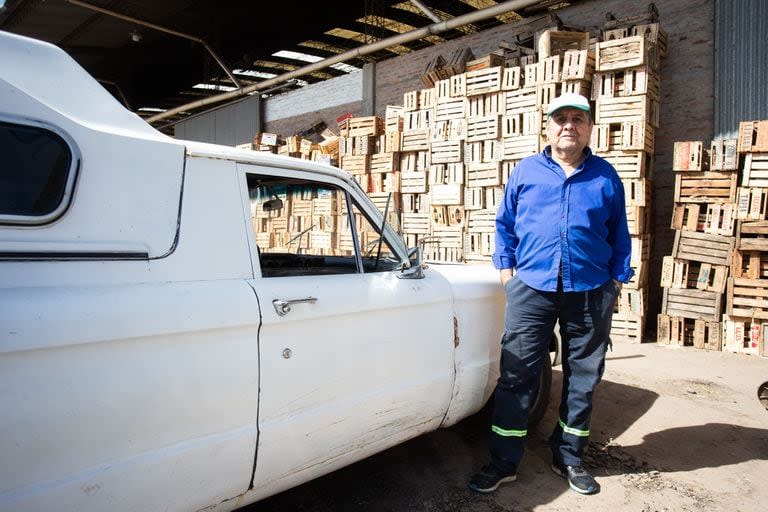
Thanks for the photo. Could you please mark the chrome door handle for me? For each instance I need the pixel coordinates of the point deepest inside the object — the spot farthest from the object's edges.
(282, 307)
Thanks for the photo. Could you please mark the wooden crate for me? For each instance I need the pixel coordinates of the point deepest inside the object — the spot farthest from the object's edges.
(478, 246)
(723, 155)
(637, 191)
(743, 335)
(692, 303)
(474, 198)
(720, 219)
(627, 329)
(672, 330)
(629, 164)
(753, 136)
(458, 85)
(522, 100)
(577, 65)
(385, 162)
(434, 72)
(413, 182)
(481, 221)
(482, 151)
(483, 81)
(706, 187)
(556, 42)
(751, 203)
(638, 219)
(747, 298)
(689, 156)
(627, 108)
(550, 70)
(707, 335)
(448, 194)
(626, 52)
(706, 248)
(516, 148)
(631, 303)
(582, 87)
(360, 164)
(355, 126)
(484, 174)
(749, 264)
(482, 128)
(752, 235)
(687, 274)
(415, 140)
(446, 151)
(521, 123)
(755, 173)
(626, 82)
(492, 60)
(484, 105)
(457, 62)
(450, 108)
(511, 78)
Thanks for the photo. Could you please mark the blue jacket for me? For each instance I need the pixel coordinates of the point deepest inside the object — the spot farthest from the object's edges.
(580, 223)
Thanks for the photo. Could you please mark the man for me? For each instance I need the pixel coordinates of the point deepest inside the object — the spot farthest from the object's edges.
(562, 229)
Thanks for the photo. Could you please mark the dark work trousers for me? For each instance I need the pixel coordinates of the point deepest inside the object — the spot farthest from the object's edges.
(530, 317)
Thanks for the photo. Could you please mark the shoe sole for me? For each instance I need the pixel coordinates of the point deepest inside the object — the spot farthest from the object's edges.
(506, 479)
(559, 472)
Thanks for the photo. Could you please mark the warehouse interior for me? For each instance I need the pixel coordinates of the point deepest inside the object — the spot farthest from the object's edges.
(686, 138)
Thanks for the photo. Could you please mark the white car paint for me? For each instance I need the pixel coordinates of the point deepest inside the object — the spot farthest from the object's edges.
(167, 381)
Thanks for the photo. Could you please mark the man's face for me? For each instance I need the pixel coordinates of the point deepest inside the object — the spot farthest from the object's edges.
(569, 129)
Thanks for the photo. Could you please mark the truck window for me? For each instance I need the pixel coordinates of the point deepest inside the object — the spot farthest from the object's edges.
(304, 228)
(36, 176)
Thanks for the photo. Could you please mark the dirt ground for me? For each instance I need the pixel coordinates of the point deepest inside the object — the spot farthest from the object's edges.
(674, 430)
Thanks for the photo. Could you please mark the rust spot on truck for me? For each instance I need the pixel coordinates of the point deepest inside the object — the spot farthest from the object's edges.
(455, 332)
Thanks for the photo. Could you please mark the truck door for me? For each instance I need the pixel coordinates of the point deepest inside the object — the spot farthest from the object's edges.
(353, 359)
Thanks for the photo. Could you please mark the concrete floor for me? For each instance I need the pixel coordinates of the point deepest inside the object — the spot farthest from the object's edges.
(674, 429)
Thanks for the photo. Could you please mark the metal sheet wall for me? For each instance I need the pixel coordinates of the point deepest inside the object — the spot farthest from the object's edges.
(229, 125)
(741, 64)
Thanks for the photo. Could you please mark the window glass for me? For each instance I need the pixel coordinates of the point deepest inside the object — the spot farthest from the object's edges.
(304, 228)
(35, 171)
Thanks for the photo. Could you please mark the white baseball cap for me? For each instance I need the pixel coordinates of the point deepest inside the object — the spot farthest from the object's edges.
(570, 100)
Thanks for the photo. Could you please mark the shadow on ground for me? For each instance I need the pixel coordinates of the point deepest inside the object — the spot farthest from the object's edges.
(430, 473)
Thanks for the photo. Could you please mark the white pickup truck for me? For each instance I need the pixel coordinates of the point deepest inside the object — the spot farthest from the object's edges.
(186, 326)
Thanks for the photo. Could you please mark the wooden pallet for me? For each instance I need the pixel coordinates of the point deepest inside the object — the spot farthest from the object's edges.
(484, 174)
(723, 155)
(706, 187)
(747, 298)
(482, 128)
(691, 303)
(443, 152)
(706, 248)
(627, 108)
(755, 173)
(753, 136)
(626, 52)
(483, 81)
(689, 156)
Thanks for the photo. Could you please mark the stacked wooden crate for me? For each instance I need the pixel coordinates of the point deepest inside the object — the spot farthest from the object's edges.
(694, 276)
(459, 141)
(745, 326)
(626, 91)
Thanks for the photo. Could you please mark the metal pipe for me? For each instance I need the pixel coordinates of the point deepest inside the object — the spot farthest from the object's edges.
(427, 11)
(159, 29)
(435, 28)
